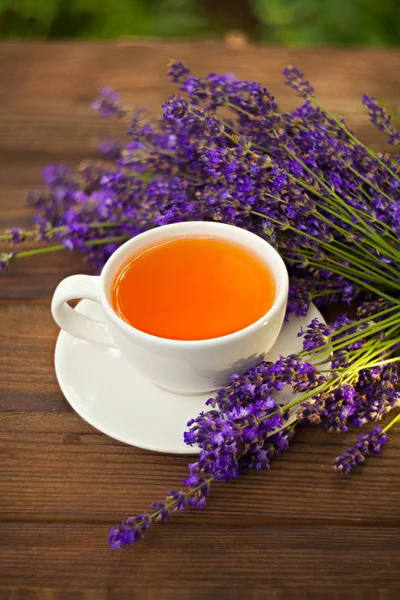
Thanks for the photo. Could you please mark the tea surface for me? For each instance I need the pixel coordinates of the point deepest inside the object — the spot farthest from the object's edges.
(193, 289)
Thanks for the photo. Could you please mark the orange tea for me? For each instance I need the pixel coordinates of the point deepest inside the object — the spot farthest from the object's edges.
(192, 289)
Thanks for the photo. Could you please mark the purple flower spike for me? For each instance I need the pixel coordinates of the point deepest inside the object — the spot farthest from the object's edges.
(108, 104)
(177, 71)
(129, 531)
(295, 79)
(299, 301)
(110, 149)
(5, 258)
(17, 235)
(381, 119)
(370, 443)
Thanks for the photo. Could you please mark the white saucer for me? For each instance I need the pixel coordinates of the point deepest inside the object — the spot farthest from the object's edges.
(113, 397)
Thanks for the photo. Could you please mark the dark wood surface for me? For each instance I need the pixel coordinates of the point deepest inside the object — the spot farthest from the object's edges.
(298, 531)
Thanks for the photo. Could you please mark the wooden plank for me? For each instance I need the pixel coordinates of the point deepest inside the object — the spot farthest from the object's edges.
(47, 102)
(36, 71)
(56, 467)
(36, 277)
(186, 555)
(222, 593)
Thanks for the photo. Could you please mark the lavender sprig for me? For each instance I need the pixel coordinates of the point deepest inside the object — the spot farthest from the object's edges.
(131, 530)
(381, 119)
(367, 444)
(246, 428)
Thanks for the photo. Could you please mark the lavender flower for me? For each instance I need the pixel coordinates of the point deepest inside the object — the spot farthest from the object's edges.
(299, 300)
(371, 308)
(378, 393)
(367, 444)
(248, 433)
(56, 175)
(132, 530)
(16, 235)
(244, 171)
(129, 531)
(177, 71)
(110, 149)
(109, 104)
(312, 411)
(295, 78)
(381, 119)
(260, 453)
(5, 258)
(340, 405)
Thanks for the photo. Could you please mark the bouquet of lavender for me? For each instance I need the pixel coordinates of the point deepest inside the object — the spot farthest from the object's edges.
(302, 180)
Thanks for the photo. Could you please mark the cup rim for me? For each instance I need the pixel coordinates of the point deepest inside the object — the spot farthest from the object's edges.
(212, 228)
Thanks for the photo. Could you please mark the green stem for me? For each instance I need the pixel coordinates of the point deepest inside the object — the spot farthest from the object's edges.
(373, 243)
(335, 211)
(170, 505)
(388, 228)
(323, 244)
(329, 292)
(367, 319)
(377, 239)
(94, 225)
(371, 153)
(359, 269)
(303, 398)
(7, 237)
(333, 195)
(375, 350)
(359, 282)
(304, 234)
(369, 182)
(361, 253)
(355, 213)
(362, 284)
(346, 206)
(358, 334)
(392, 422)
(332, 346)
(372, 349)
(382, 362)
(25, 253)
(115, 238)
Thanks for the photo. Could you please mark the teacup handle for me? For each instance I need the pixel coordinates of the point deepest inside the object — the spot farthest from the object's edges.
(70, 320)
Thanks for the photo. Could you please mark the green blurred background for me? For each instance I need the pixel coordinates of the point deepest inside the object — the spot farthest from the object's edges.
(291, 22)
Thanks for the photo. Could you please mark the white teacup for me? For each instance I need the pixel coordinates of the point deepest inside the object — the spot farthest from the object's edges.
(185, 367)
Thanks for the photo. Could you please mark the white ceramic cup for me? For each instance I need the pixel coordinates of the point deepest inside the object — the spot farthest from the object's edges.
(185, 367)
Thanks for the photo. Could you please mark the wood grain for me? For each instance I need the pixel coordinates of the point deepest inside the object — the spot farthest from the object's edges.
(298, 531)
(300, 488)
(265, 555)
(195, 593)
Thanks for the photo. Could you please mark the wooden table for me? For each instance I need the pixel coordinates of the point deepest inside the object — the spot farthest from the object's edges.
(288, 533)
